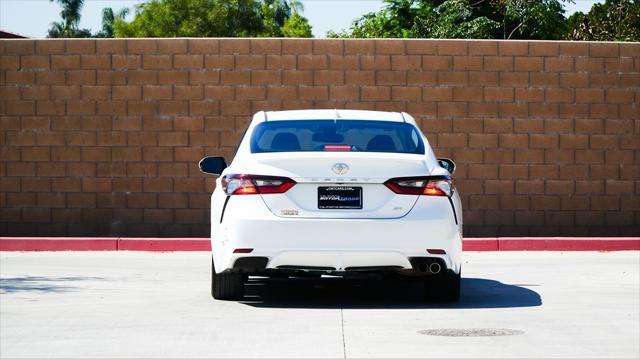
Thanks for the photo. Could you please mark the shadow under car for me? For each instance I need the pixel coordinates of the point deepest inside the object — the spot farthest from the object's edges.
(384, 294)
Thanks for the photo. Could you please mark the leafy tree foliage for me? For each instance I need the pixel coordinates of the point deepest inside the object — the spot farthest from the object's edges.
(480, 19)
(70, 15)
(275, 13)
(108, 19)
(296, 26)
(615, 20)
(532, 19)
(214, 18)
(455, 19)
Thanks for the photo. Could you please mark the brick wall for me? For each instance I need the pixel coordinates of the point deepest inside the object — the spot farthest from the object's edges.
(101, 137)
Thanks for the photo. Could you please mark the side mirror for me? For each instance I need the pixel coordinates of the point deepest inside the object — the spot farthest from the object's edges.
(212, 165)
(447, 164)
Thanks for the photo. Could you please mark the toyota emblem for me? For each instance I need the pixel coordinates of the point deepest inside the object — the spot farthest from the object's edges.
(340, 168)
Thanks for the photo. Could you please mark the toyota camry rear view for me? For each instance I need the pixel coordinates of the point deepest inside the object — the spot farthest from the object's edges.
(335, 192)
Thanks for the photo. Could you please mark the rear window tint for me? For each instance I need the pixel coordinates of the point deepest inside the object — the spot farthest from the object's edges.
(336, 135)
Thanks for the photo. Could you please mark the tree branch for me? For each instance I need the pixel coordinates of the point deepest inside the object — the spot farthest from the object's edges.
(514, 30)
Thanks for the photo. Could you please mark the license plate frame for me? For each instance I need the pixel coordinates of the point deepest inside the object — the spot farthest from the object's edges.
(339, 197)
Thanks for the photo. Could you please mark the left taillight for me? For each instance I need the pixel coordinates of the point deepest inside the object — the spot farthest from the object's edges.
(237, 184)
(425, 186)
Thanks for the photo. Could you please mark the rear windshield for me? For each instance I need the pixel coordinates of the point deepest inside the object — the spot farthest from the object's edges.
(336, 135)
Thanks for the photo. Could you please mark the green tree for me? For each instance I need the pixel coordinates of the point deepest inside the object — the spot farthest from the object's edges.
(209, 18)
(480, 19)
(297, 26)
(274, 13)
(192, 18)
(454, 19)
(289, 20)
(614, 20)
(527, 19)
(108, 19)
(396, 19)
(70, 15)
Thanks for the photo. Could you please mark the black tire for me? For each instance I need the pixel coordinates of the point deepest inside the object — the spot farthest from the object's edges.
(226, 286)
(443, 287)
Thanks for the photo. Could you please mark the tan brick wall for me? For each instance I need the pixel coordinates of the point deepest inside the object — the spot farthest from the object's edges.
(102, 137)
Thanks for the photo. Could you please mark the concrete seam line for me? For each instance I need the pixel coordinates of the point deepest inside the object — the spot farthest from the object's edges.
(28, 244)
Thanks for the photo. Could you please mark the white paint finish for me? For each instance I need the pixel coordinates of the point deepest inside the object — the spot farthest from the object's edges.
(136, 304)
(292, 221)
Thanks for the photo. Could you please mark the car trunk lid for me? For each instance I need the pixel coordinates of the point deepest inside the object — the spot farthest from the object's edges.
(340, 176)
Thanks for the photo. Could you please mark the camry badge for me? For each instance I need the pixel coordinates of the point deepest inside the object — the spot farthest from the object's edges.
(340, 168)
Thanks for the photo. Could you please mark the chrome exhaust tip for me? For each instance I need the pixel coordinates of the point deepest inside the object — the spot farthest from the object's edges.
(434, 268)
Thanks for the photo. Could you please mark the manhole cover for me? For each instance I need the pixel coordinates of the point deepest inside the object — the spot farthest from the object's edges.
(477, 332)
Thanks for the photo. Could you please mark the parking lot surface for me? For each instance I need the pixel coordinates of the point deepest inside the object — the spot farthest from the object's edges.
(137, 304)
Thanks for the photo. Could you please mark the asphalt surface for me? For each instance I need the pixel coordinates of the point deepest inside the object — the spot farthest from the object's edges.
(136, 304)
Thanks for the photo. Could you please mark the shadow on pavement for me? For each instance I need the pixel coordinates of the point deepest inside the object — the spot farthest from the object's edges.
(384, 294)
(39, 284)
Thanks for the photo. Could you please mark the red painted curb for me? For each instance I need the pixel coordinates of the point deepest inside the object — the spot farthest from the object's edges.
(480, 244)
(164, 244)
(30, 244)
(568, 244)
(54, 244)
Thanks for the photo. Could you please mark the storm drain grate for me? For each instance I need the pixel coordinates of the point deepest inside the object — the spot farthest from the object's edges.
(477, 332)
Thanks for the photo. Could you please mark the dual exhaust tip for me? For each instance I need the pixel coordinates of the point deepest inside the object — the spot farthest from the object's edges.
(433, 268)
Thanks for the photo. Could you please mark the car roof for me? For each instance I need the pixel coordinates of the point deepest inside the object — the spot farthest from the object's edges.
(333, 114)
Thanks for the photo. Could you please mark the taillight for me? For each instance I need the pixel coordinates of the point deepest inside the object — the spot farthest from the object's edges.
(254, 184)
(426, 186)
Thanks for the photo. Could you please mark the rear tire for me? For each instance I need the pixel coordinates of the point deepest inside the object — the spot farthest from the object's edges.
(226, 286)
(443, 287)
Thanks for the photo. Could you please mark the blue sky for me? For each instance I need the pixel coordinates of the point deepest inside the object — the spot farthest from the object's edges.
(32, 17)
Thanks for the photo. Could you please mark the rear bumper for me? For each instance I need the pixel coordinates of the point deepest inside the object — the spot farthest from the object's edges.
(340, 244)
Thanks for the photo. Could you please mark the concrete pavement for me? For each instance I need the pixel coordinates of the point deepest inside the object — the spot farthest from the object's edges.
(138, 304)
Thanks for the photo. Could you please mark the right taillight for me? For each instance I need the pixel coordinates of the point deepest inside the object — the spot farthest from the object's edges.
(237, 184)
(426, 186)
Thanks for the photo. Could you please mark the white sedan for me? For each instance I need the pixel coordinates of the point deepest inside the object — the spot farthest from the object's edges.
(335, 192)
